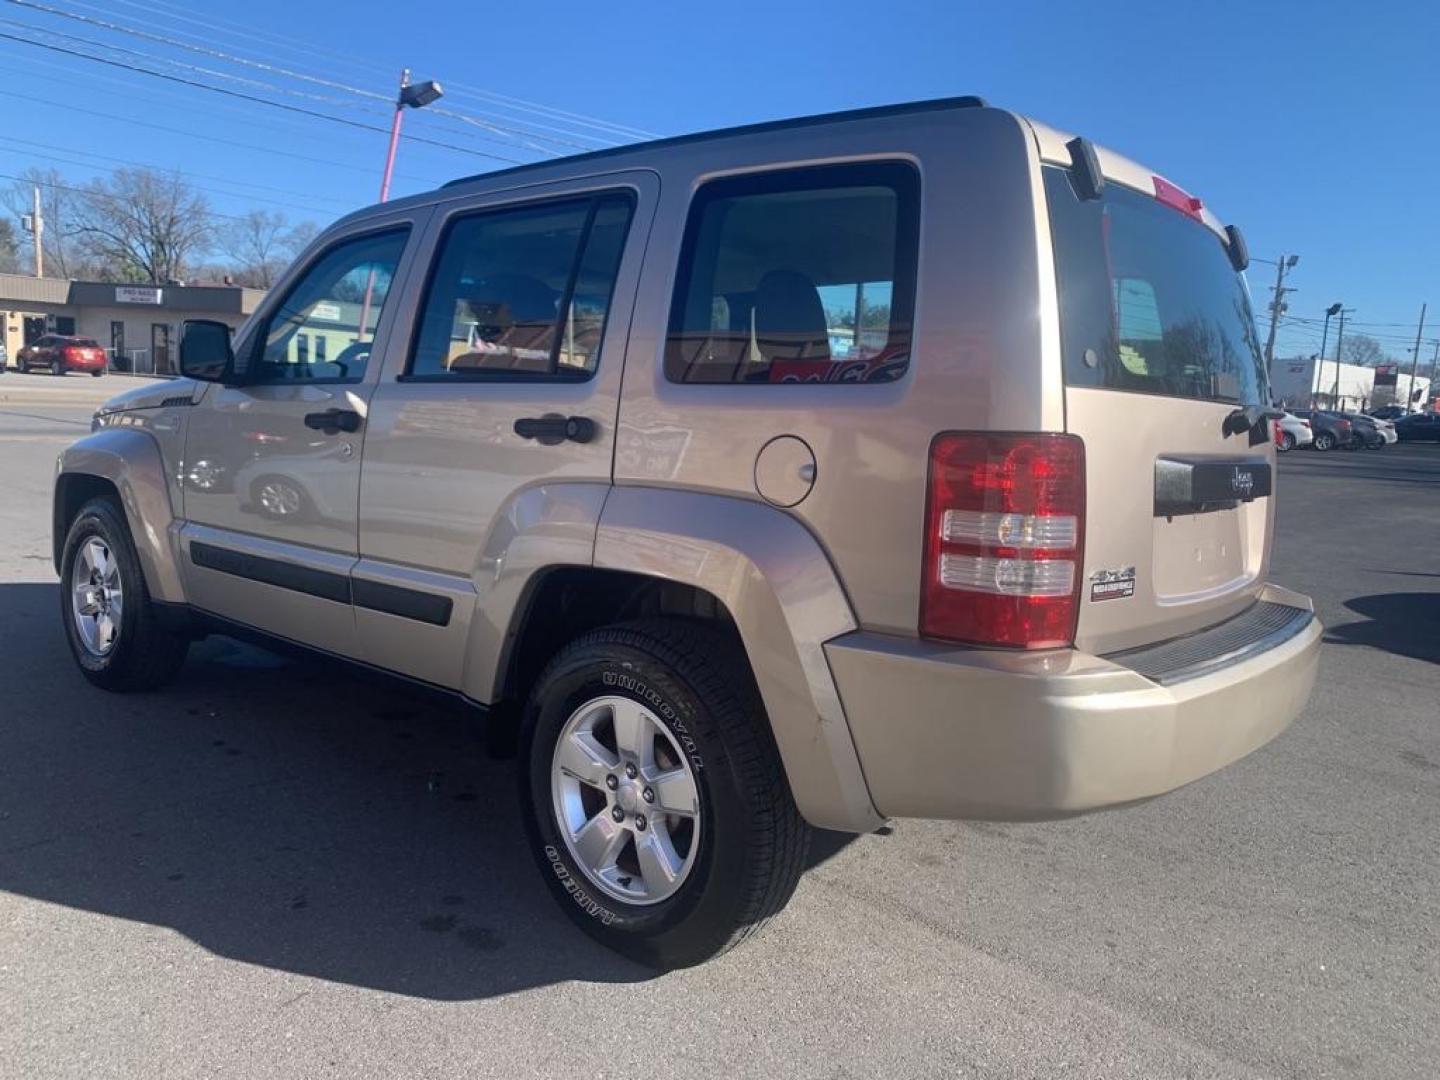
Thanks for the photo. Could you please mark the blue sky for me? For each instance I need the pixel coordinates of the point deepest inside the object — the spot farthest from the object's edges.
(1311, 125)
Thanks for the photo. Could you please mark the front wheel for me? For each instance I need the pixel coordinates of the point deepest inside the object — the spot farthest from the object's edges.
(1323, 441)
(57, 367)
(111, 623)
(653, 794)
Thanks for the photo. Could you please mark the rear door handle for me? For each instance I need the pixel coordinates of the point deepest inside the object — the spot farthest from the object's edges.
(333, 421)
(552, 428)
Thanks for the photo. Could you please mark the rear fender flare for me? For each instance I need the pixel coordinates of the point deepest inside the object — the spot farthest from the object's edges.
(782, 592)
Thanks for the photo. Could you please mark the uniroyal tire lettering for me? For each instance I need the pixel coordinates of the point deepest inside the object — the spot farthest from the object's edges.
(577, 892)
(635, 686)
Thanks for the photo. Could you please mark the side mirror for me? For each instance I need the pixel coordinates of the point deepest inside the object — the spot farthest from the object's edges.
(205, 352)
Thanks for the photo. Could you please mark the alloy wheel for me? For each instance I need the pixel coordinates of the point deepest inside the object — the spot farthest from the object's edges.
(97, 596)
(626, 800)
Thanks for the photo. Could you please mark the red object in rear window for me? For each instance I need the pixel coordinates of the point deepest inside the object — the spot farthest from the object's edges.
(1177, 198)
(1004, 529)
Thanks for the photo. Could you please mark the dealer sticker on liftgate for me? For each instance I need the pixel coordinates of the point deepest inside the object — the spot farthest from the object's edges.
(1112, 584)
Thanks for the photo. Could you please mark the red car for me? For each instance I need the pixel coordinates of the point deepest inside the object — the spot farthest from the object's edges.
(59, 354)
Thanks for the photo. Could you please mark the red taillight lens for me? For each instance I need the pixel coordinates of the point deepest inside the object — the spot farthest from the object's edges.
(71, 354)
(1004, 525)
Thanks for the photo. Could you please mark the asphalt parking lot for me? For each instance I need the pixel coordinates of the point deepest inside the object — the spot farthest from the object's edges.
(280, 868)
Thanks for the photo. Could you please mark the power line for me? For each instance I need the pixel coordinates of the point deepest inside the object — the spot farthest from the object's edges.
(208, 138)
(509, 132)
(253, 98)
(89, 194)
(170, 169)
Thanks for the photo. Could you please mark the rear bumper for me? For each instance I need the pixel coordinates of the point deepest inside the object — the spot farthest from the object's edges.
(947, 732)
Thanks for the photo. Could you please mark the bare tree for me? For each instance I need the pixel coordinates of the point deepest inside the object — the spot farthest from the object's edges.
(58, 208)
(143, 225)
(261, 244)
(1362, 350)
(9, 248)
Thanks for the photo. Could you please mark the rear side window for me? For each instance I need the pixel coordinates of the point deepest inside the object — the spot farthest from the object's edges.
(1149, 302)
(803, 276)
(523, 293)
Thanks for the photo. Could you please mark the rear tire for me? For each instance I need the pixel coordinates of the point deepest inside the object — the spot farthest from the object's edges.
(1287, 442)
(137, 652)
(1323, 441)
(732, 861)
(97, 374)
(57, 367)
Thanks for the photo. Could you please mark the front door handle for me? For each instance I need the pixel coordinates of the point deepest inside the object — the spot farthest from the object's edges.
(333, 421)
(553, 429)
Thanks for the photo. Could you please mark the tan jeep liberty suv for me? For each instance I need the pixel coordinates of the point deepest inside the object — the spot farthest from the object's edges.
(907, 462)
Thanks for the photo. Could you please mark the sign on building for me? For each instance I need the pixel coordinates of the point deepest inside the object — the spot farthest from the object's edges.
(138, 294)
(326, 310)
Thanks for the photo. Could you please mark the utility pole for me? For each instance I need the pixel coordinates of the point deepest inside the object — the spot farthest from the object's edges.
(1277, 306)
(1339, 340)
(1415, 360)
(35, 225)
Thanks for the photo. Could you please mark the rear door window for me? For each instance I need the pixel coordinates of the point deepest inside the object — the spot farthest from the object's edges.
(522, 293)
(1149, 302)
(801, 276)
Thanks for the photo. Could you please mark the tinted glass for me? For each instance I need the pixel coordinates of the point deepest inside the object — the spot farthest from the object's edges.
(340, 298)
(523, 293)
(805, 276)
(1151, 295)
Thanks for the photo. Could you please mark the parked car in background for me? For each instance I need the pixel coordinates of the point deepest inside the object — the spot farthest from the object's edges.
(1330, 430)
(58, 354)
(1291, 431)
(4, 357)
(1389, 412)
(1370, 432)
(1418, 427)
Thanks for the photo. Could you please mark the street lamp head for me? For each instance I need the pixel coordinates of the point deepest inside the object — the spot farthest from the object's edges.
(1333, 309)
(418, 95)
(1292, 260)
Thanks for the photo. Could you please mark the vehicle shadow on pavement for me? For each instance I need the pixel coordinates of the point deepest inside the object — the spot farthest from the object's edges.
(289, 813)
(1407, 624)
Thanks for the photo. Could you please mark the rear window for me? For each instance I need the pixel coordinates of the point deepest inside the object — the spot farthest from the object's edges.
(84, 342)
(797, 276)
(1149, 302)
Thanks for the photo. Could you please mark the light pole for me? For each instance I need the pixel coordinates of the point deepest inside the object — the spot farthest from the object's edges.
(411, 96)
(1339, 341)
(1333, 309)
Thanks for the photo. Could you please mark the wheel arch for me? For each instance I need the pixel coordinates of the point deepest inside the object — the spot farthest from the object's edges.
(779, 591)
(125, 465)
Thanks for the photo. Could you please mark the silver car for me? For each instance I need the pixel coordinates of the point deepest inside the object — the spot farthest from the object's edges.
(908, 462)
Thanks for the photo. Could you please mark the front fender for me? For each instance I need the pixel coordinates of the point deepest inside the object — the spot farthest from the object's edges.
(782, 592)
(130, 460)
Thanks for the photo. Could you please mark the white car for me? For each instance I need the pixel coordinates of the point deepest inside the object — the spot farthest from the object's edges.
(1387, 429)
(1293, 432)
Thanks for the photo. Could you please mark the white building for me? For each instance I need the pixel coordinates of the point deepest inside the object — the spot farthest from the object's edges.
(1304, 382)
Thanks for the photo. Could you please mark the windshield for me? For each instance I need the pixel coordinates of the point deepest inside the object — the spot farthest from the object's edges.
(1149, 302)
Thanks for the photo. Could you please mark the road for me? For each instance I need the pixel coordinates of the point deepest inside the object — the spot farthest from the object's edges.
(282, 868)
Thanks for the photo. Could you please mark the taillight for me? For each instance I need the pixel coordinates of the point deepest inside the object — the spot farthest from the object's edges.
(1004, 530)
(72, 355)
(1177, 198)
(1305, 424)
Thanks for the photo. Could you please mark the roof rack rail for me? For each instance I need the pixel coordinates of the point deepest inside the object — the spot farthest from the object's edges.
(935, 105)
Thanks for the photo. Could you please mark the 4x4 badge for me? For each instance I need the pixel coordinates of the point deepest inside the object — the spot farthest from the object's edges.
(1112, 584)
